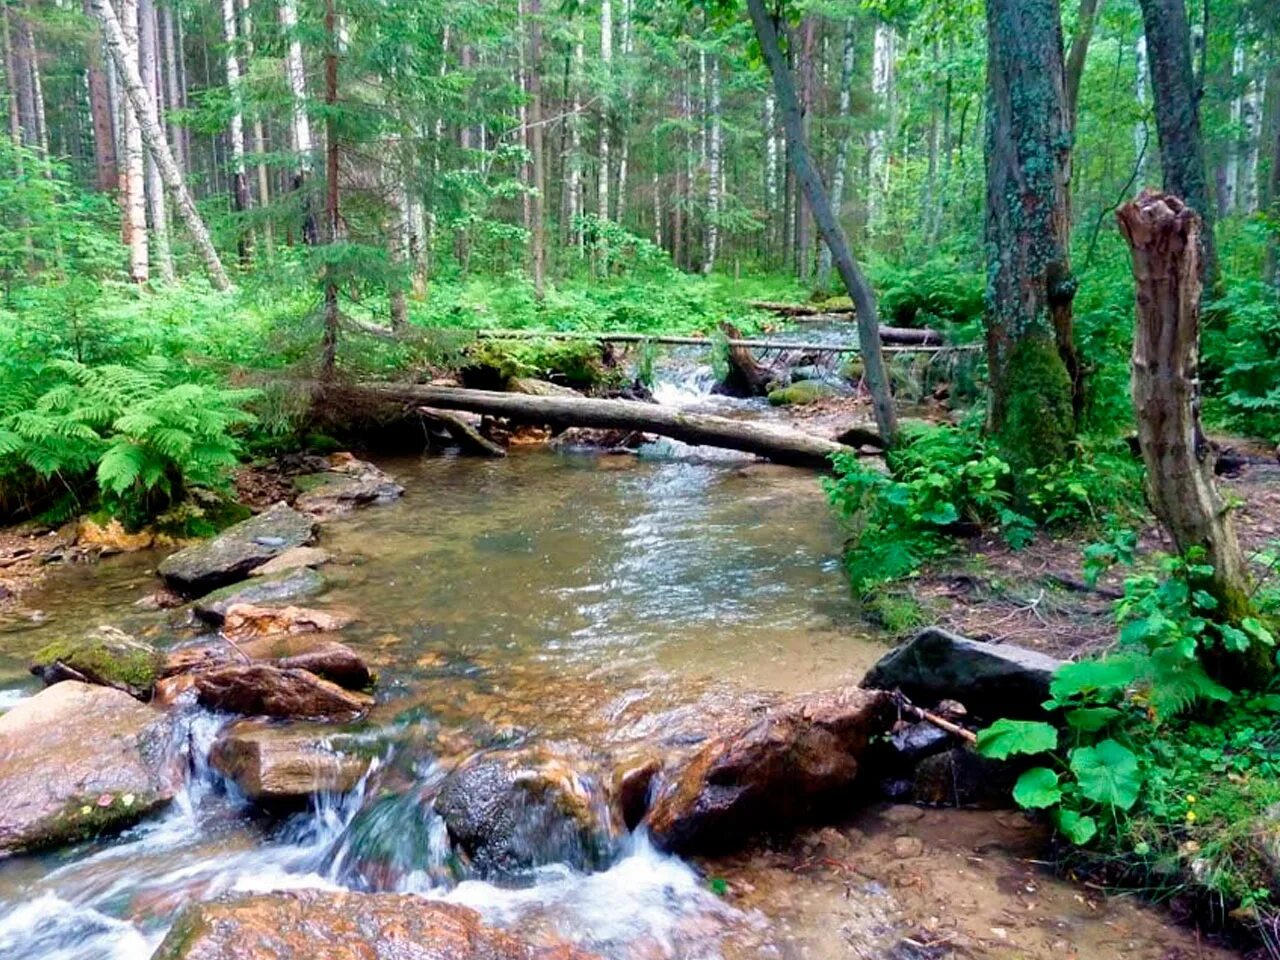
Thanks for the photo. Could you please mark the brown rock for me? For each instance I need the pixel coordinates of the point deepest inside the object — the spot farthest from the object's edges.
(632, 779)
(961, 778)
(277, 763)
(263, 690)
(905, 848)
(245, 620)
(775, 772)
(349, 483)
(319, 653)
(293, 559)
(111, 537)
(77, 760)
(315, 925)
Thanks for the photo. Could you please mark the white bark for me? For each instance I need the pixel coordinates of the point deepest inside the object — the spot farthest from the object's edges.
(574, 187)
(606, 59)
(1140, 136)
(1247, 189)
(126, 60)
(882, 77)
(770, 152)
(296, 75)
(133, 195)
(149, 56)
(620, 203)
(1227, 202)
(259, 132)
(713, 169)
(842, 147)
(229, 33)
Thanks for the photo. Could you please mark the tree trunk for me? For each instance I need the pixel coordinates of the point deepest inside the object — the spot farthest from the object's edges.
(133, 194)
(1076, 58)
(1161, 232)
(300, 124)
(713, 169)
(832, 233)
(882, 84)
(239, 175)
(1175, 93)
(172, 88)
(1247, 185)
(259, 135)
(1140, 137)
(808, 93)
(537, 213)
(37, 93)
(329, 343)
(771, 170)
(20, 77)
(106, 176)
(125, 58)
(148, 56)
(842, 146)
(779, 444)
(606, 63)
(574, 174)
(1031, 358)
(624, 140)
(1273, 190)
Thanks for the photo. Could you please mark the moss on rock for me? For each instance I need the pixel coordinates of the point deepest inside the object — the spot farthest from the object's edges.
(801, 393)
(1038, 422)
(105, 656)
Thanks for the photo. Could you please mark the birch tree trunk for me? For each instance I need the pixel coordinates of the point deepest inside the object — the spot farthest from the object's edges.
(606, 61)
(1140, 136)
(771, 164)
(333, 226)
(882, 64)
(259, 136)
(172, 88)
(133, 193)
(106, 176)
(574, 174)
(1247, 186)
(125, 58)
(1174, 90)
(713, 169)
(832, 233)
(37, 93)
(148, 56)
(1273, 188)
(624, 140)
(842, 147)
(239, 175)
(537, 213)
(1161, 231)
(1231, 173)
(300, 124)
(1031, 358)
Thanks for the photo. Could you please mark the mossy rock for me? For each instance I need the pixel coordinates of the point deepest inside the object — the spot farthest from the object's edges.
(852, 370)
(801, 393)
(284, 588)
(105, 656)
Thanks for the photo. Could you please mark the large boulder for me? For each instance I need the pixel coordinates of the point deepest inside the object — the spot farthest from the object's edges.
(106, 656)
(509, 811)
(77, 760)
(272, 763)
(265, 690)
(313, 924)
(990, 680)
(318, 653)
(237, 551)
(347, 484)
(259, 591)
(776, 772)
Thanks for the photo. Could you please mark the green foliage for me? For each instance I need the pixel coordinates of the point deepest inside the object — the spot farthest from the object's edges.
(945, 481)
(1005, 738)
(937, 294)
(142, 434)
(1242, 356)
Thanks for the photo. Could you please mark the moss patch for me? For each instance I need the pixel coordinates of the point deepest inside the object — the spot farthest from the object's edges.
(1038, 422)
(799, 394)
(107, 657)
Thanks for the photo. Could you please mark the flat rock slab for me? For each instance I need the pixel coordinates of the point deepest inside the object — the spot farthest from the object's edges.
(778, 771)
(237, 551)
(990, 680)
(347, 484)
(264, 690)
(285, 763)
(315, 925)
(291, 585)
(294, 559)
(78, 760)
(244, 621)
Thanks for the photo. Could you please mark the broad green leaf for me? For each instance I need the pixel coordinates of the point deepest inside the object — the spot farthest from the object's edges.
(1107, 773)
(1091, 719)
(1114, 673)
(1004, 738)
(1037, 788)
(1075, 827)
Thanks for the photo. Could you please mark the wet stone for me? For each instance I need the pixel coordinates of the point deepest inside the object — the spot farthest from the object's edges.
(106, 656)
(274, 763)
(295, 584)
(237, 551)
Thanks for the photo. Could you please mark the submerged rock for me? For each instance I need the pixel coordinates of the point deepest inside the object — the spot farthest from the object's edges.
(106, 656)
(318, 653)
(992, 681)
(515, 810)
(282, 588)
(236, 551)
(313, 924)
(347, 484)
(961, 778)
(773, 773)
(275, 763)
(263, 690)
(294, 559)
(78, 760)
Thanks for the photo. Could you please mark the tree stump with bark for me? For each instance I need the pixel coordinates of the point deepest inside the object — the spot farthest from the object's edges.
(1164, 238)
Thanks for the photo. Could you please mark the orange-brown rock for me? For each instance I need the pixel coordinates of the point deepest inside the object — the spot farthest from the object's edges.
(771, 774)
(281, 763)
(244, 621)
(264, 690)
(315, 925)
(319, 653)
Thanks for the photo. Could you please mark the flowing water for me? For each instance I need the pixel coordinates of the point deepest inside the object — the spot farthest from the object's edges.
(591, 603)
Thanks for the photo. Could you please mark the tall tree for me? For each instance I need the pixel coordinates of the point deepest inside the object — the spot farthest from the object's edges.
(104, 145)
(1031, 358)
(832, 233)
(332, 221)
(148, 65)
(1077, 56)
(300, 123)
(133, 194)
(847, 56)
(239, 173)
(534, 144)
(125, 58)
(1176, 95)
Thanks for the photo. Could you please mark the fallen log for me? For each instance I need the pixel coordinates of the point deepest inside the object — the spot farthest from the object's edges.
(779, 444)
(904, 339)
(796, 309)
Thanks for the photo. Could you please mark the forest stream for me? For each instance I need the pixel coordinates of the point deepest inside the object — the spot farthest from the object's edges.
(579, 603)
